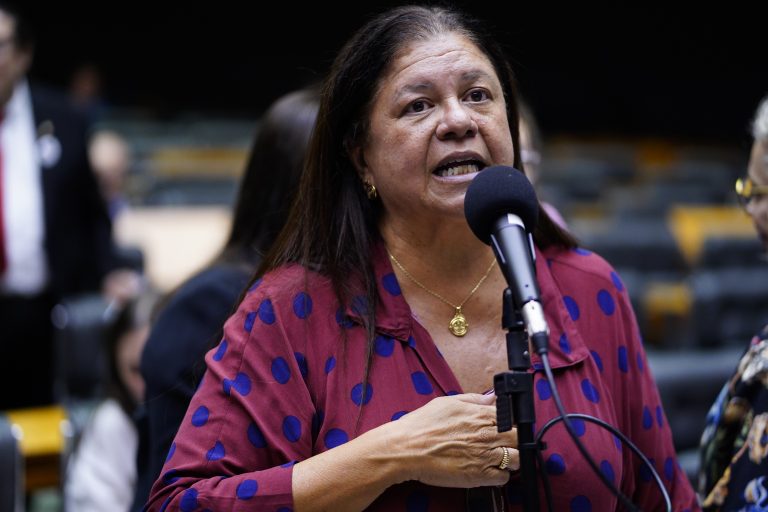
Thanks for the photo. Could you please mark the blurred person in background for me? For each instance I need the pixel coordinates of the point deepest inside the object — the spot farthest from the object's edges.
(734, 464)
(55, 234)
(110, 157)
(101, 474)
(191, 322)
(531, 150)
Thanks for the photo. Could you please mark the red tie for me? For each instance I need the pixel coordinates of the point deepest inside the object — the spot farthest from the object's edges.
(3, 259)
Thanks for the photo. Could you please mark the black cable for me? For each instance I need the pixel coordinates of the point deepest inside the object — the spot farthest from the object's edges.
(623, 438)
(563, 415)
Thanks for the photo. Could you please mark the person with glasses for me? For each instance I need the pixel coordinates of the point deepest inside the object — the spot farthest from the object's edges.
(734, 469)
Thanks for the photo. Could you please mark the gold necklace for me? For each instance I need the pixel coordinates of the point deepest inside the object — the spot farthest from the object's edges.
(458, 325)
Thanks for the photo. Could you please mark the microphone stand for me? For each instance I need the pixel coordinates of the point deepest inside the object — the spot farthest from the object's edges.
(514, 399)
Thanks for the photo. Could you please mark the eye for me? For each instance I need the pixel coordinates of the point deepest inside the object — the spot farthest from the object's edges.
(417, 107)
(477, 95)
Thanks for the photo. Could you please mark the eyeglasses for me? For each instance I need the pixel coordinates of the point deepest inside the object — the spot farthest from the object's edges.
(746, 190)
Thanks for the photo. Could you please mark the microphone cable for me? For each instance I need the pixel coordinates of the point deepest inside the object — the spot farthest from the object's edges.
(565, 418)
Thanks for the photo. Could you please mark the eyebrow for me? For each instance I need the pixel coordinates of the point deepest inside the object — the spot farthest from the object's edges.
(467, 76)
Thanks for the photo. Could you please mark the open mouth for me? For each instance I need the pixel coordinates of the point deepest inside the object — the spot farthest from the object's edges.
(459, 168)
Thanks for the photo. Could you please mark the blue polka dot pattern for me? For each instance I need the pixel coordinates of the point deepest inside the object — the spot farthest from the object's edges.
(606, 302)
(285, 509)
(302, 362)
(617, 281)
(590, 391)
(280, 370)
(189, 501)
(669, 468)
(171, 476)
(555, 465)
(659, 416)
(335, 437)
(266, 312)
(421, 383)
(647, 418)
(607, 470)
(581, 251)
(343, 320)
(543, 389)
(417, 502)
(640, 364)
(255, 284)
(623, 361)
(357, 394)
(451, 392)
(200, 416)
(219, 355)
(617, 442)
(598, 360)
(292, 428)
(247, 489)
(330, 364)
(384, 345)
(250, 318)
(165, 503)
(241, 384)
(360, 305)
(389, 282)
(171, 451)
(412, 342)
(302, 305)
(217, 452)
(581, 504)
(579, 427)
(256, 437)
(572, 307)
(398, 415)
(565, 345)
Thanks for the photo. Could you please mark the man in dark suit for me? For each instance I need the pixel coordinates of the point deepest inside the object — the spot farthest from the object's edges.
(55, 234)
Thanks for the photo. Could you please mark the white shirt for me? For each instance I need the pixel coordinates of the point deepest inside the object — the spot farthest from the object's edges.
(101, 475)
(23, 218)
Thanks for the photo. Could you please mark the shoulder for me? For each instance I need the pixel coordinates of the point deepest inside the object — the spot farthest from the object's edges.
(218, 281)
(285, 285)
(580, 265)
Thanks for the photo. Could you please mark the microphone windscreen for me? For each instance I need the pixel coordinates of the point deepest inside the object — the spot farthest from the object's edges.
(495, 192)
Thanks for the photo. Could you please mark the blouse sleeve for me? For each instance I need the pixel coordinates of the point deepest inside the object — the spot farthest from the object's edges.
(246, 425)
(645, 424)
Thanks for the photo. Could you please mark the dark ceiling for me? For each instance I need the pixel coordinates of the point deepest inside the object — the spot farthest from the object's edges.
(646, 70)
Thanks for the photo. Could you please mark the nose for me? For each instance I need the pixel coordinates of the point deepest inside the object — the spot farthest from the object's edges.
(456, 122)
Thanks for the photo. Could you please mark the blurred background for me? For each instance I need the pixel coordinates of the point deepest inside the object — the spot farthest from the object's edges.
(643, 113)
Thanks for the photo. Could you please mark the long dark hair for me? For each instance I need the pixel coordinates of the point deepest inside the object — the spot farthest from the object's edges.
(271, 176)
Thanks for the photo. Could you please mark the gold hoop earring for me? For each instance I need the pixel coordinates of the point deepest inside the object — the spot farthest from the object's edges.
(370, 190)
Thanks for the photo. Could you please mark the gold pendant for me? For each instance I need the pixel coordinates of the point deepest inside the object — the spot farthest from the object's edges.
(458, 325)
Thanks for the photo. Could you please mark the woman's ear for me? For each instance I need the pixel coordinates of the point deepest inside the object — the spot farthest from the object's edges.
(357, 156)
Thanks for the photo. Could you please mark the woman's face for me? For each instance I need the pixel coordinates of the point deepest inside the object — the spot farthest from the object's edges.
(437, 119)
(757, 208)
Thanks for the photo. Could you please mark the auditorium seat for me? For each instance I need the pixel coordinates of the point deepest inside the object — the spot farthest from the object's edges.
(11, 469)
(688, 382)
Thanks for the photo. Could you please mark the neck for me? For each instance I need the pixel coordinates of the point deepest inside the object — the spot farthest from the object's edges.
(447, 248)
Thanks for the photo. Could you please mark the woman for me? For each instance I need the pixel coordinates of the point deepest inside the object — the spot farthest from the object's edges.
(345, 355)
(734, 449)
(190, 324)
(101, 474)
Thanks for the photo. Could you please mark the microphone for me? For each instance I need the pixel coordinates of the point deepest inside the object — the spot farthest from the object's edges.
(501, 208)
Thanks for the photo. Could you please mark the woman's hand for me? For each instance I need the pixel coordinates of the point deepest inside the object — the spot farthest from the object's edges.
(453, 442)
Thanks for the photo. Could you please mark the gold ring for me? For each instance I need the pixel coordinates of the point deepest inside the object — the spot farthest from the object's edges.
(504, 459)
